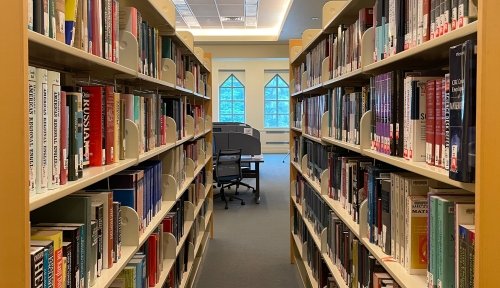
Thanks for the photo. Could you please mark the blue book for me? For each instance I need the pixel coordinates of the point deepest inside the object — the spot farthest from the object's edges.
(142, 273)
(126, 197)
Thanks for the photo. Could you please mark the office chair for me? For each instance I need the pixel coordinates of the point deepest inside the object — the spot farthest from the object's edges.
(228, 173)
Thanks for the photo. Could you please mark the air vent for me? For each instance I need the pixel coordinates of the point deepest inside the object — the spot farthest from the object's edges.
(231, 19)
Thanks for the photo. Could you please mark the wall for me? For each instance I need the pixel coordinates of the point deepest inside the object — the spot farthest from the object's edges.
(251, 62)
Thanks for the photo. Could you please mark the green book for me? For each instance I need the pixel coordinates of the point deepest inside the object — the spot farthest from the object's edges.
(137, 109)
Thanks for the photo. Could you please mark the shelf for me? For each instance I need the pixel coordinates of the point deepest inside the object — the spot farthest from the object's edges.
(426, 55)
(183, 91)
(157, 151)
(395, 269)
(202, 134)
(335, 271)
(108, 275)
(91, 175)
(208, 215)
(310, 137)
(348, 146)
(297, 166)
(146, 82)
(159, 14)
(57, 55)
(156, 221)
(420, 168)
(350, 78)
(348, 14)
(314, 90)
(296, 129)
(167, 266)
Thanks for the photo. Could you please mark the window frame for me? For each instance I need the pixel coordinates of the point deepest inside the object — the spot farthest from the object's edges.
(277, 101)
(232, 115)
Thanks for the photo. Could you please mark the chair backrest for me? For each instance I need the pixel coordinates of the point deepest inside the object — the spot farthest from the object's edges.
(228, 165)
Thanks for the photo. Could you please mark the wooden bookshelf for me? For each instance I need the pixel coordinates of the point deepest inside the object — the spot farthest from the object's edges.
(21, 48)
(432, 53)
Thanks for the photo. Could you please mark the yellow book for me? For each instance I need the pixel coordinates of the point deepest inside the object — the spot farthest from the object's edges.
(416, 237)
(57, 238)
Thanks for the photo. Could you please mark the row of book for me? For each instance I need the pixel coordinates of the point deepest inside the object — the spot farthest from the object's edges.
(346, 106)
(146, 266)
(357, 266)
(402, 25)
(405, 211)
(313, 109)
(94, 26)
(424, 116)
(343, 49)
(73, 127)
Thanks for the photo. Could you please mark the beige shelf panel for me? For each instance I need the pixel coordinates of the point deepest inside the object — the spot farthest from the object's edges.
(59, 56)
(347, 14)
(330, 10)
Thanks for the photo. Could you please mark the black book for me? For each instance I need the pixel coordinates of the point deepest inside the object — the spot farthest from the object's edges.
(68, 256)
(73, 96)
(463, 111)
(36, 256)
(386, 216)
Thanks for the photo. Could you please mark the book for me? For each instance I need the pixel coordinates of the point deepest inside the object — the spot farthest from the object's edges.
(54, 129)
(64, 140)
(36, 264)
(98, 216)
(94, 239)
(464, 216)
(70, 21)
(117, 223)
(463, 111)
(32, 132)
(42, 173)
(59, 20)
(97, 122)
(117, 127)
(109, 124)
(68, 275)
(75, 138)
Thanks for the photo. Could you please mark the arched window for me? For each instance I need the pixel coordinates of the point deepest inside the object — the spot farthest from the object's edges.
(232, 100)
(276, 103)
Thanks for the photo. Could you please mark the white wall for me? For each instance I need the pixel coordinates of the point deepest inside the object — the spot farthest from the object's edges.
(250, 62)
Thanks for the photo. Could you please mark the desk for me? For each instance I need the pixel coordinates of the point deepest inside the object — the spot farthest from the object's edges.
(253, 173)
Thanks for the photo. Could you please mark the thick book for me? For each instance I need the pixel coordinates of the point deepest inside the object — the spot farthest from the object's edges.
(54, 129)
(56, 238)
(416, 236)
(32, 131)
(75, 132)
(97, 122)
(109, 124)
(36, 261)
(42, 122)
(64, 132)
(463, 111)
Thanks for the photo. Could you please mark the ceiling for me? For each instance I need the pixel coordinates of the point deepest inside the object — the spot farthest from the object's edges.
(247, 20)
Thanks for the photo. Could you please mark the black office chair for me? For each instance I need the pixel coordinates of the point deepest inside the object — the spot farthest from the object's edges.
(228, 173)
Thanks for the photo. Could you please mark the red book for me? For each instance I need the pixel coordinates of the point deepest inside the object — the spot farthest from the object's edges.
(96, 18)
(97, 122)
(430, 123)
(109, 139)
(438, 123)
(152, 240)
(64, 139)
(168, 224)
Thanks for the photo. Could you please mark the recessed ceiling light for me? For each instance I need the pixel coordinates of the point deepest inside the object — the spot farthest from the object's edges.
(314, 18)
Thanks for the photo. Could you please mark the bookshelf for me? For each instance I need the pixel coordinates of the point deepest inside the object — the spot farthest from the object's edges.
(430, 54)
(22, 47)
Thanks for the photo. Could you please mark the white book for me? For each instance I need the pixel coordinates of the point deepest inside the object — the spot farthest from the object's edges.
(42, 174)
(30, 16)
(420, 22)
(54, 128)
(32, 135)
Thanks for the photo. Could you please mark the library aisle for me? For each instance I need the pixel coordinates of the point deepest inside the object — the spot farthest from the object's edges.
(251, 245)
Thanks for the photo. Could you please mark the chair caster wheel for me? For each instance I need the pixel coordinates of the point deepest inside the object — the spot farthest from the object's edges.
(242, 203)
(226, 207)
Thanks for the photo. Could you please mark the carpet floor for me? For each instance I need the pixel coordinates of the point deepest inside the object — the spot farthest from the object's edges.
(251, 245)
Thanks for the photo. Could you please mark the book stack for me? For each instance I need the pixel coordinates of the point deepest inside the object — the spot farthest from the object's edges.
(316, 159)
(402, 25)
(346, 106)
(315, 209)
(79, 236)
(314, 107)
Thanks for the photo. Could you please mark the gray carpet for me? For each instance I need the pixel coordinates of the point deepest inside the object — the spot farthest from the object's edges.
(251, 245)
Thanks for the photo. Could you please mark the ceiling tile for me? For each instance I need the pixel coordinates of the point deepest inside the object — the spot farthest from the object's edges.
(233, 24)
(231, 10)
(208, 2)
(209, 21)
(200, 10)
(223, 2)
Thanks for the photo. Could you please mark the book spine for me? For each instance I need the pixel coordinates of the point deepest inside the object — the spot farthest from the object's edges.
(60, 8)
(32, 130)
(438, 123)
(109, 137)
(79, 134)
(417, 235)
(37, 271)
(117, 132)
(86, 99)
(430, 122)
(122, 129)
(50, 266)
(64, 132)
(111, 234)
(42, 176)
(462, 258)
(54, 135)
(93, 253)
